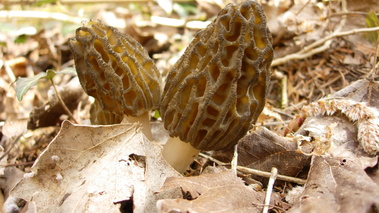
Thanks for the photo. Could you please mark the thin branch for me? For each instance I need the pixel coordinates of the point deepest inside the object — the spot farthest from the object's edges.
(62, 102)
(268, 174)
(7, 2)
(256, 172)
(311, 49)
(40, 15)
(15, 140)
(270, 186)
(17, 164)
(350, 13)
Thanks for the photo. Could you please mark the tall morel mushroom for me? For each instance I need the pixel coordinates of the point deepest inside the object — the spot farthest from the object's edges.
(217, 89)
(117, 71)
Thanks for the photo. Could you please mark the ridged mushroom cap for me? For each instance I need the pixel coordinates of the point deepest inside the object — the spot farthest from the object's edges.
(217, 89)
(115, 69)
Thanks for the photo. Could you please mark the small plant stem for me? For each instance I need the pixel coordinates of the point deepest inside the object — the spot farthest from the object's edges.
(62, 102)
(270, 186)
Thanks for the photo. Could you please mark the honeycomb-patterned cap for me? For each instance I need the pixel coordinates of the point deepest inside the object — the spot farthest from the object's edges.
(99, 116)
(115, 69)
(217, 89)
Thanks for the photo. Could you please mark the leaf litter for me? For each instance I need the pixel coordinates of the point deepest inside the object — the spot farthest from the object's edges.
(92, 168)
(324, 151)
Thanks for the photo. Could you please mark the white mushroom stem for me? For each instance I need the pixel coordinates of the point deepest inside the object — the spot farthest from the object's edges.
(179, 154)
(144, 120)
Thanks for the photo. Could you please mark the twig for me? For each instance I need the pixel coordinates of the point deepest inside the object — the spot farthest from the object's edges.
(311, 50)
(284, 92)
(17, 138)
(268, 174)
(213, 159)
(89, 1)
(39, 14)
(302, 8)
(17, 164)
(270, 186)
(9, 71)
(62, 102)
(348, 13)
(256, 172)
(275, 123)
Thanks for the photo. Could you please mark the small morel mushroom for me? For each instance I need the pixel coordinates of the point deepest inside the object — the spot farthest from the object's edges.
(117, 71)
(99, 116)
(217, 89)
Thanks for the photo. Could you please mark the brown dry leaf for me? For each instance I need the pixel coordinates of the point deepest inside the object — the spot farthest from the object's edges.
(338, 176)
(355, 111)
(323, 139)
(264, 149)
(340, 184)
(217, 192)
(91, 168)
(11, 176)
(362, 91)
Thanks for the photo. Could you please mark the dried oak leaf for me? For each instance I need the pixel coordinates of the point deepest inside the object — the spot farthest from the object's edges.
(338, 184)
(338, 177)
(217, 192)
(264, 149)
(93, 168)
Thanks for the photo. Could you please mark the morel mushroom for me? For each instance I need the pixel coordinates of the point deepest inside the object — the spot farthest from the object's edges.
(99, 116)
(217, 89)
(117, 71)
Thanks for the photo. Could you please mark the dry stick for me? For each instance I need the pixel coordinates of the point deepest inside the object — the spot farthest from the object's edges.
(284, 92)
(302, 8)
(116, 1)
(62, 102)
(270, 186)
(373, 72)
(348, 13)
(41, 15)
(311, 50)
(23, 2)
(17, 164)
(16, 139)
(256, 172)
(268, 174)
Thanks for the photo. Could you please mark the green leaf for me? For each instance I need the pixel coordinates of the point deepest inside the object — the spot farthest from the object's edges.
(184, 10)
(51, 73)
(42, 2)
(372, 21)
(24, 84)
(68, 71)
(21, 39)
(156, 114)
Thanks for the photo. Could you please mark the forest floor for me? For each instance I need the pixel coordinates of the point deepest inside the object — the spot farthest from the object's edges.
(317, 138)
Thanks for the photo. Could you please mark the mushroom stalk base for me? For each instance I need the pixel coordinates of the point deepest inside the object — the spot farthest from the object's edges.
(144, 119)
(179, 154)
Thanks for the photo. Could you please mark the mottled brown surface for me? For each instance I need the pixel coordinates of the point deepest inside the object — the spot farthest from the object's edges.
(115, 70)
(218, 87)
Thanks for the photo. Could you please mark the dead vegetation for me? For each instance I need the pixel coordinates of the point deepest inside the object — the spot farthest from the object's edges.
(319, 128)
